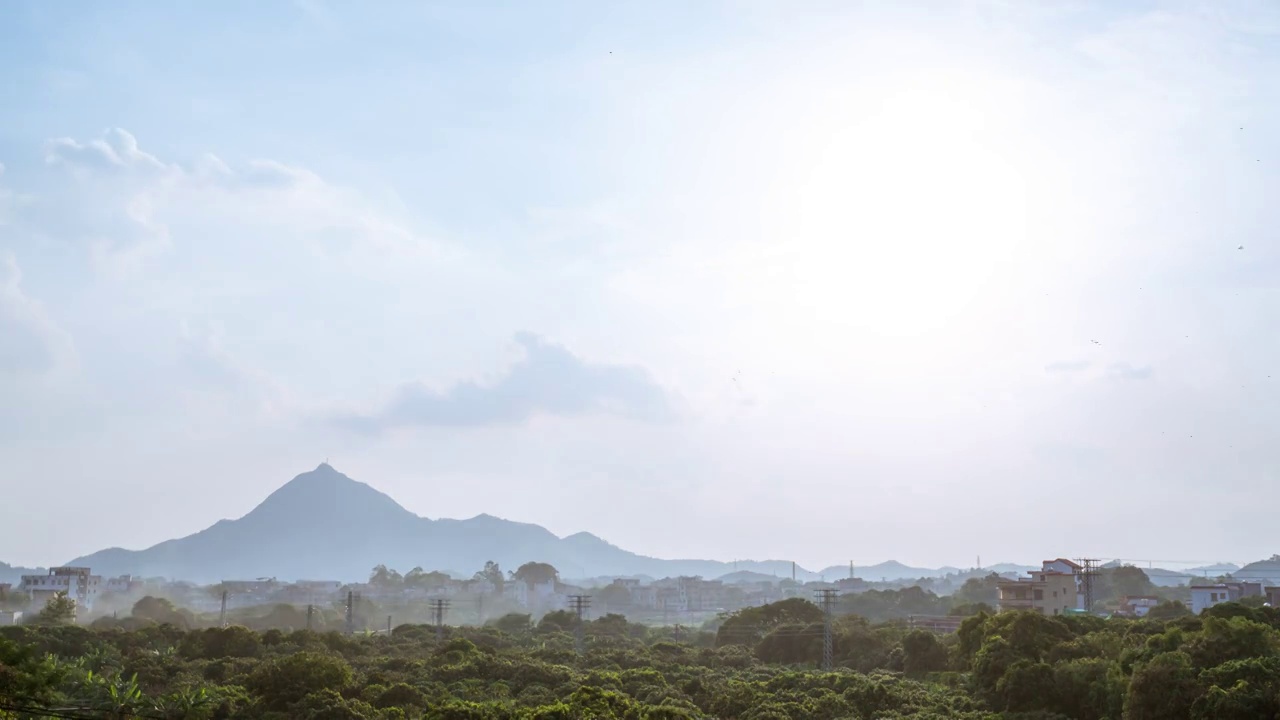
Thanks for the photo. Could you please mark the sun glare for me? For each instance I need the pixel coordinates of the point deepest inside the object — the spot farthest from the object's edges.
(904, 208)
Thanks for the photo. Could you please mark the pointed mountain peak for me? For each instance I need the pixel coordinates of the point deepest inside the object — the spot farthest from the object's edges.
(325, 492)
(586, 539)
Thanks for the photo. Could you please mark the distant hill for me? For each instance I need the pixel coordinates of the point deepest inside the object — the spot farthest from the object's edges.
(747, 577)
(890, 570)
(13, 574)
(324, 525)
(1267, 571)
(1010, 568)
(1214, 570)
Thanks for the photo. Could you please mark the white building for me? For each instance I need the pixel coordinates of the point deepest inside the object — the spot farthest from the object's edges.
(1138, 605)
(1204, 597)
(78, 583)
(532, 595)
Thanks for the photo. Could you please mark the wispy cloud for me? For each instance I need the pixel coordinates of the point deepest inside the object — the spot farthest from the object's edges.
(1067, 367)
(1125, 371)
(30, 342)
(130, 206)
(548, 380)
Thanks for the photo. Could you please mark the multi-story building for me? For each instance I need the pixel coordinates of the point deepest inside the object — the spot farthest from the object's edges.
(1045, 592)
(310, 592)
(78, 583)
(535, 595)
(1204, 597)
(122, 584)
(1064, 565)
(1137, 605)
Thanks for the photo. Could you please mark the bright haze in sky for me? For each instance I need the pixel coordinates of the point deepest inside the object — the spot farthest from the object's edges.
(816, 281)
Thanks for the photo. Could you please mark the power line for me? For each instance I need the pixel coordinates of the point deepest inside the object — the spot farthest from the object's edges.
(439, 607)
(1088, 571)
(579, 604)
(826, 596)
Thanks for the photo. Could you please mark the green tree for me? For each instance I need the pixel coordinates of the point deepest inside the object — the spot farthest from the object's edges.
(162, 611)
(285, 680)
(922, 653)
(60, 610)
(614, 597)
(1168, 610)
(493, 574)
(978, 590)
(418, 578)
(750, 625)
(513, 623)
(1123, 581)
(532, 573)
(1163, 689)
(384, 577)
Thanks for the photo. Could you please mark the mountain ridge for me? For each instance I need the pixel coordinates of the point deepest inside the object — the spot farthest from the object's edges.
(323, 524)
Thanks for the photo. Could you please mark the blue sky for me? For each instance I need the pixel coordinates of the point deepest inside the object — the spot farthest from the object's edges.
(883, 279)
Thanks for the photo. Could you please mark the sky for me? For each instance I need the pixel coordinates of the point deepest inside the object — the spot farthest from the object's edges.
(807, 280)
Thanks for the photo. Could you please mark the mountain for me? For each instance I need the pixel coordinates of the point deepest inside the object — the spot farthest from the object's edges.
(13, 574)
(1010, 568)
(1213, 570)
(324, 525)
(1264, 571)
(746, 577)
(890, 570)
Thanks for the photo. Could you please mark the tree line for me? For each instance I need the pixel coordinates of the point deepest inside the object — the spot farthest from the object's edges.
(755, 664)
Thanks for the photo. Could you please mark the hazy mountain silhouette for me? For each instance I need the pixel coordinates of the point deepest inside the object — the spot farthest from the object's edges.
(324, 525)
(13, 574)
(890, 570)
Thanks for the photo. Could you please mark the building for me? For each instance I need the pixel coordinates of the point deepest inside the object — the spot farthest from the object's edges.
(310, 592)
(1204, 597)
(1045, 592)
(1273, 596)
(247, 593)
(10, 617)
(122, 584)
(537, 595)
(78, 583)
(942, 624)
(1064, 565)
(1137, 605)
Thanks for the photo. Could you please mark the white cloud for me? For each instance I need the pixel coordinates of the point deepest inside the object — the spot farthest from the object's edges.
(130, 207)
(547, 380)
(30, 342)
(117, 149)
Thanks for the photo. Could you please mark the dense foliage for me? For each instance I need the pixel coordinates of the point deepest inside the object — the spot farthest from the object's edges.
(759, 664)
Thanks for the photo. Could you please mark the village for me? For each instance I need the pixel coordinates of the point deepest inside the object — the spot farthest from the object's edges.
(1059, 587)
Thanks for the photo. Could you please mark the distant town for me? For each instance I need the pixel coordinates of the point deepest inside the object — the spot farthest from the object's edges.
(1060, 586)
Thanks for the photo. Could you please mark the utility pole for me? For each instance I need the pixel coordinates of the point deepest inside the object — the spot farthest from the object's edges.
(1088, 570)
(311, 611)
(850, 569)
(826, 596)
(351, 609)
(580, 604)
(793, 571)
(439, 607)
(388, 626)
(222, 615)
